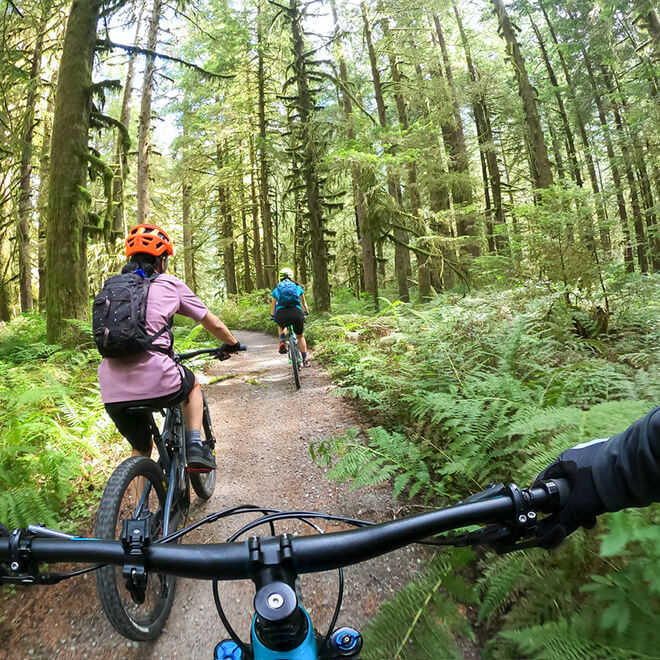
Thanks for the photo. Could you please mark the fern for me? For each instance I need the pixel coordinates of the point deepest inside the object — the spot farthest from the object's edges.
(423, 619)
(386, 456)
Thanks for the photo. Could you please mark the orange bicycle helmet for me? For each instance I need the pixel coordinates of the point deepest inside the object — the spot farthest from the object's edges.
(148, 239)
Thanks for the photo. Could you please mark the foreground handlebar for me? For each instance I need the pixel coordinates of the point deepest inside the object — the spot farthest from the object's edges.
(310, 554)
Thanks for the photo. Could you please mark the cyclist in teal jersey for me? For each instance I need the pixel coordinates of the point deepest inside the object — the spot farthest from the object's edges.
(287, 304)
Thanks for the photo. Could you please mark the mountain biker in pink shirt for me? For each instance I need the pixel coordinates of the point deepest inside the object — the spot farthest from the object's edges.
(152, 378)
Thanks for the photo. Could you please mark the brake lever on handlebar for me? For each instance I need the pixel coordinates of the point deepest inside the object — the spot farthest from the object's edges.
(506, 536)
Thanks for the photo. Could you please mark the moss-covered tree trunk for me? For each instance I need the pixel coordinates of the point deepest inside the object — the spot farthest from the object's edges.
(188, 254)
(269, 265)
(68, 199)
(144, 136)
(401, 254)
(540, 164)
(227, 222)
(497, 238)
(261, 280)
(121, 155)
(364, 235)
(310, 158)
(24, 205)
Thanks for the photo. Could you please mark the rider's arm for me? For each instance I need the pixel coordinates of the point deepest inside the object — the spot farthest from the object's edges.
(304, 303)
(273, 302)
(606, 475)
(212, 324)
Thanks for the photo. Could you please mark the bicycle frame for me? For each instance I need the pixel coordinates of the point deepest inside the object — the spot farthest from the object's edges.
(173, 462)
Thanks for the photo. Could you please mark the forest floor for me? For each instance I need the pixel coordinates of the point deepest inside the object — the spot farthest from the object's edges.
(264, 428)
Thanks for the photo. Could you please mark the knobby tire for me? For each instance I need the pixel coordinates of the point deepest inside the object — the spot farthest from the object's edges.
(133, 621)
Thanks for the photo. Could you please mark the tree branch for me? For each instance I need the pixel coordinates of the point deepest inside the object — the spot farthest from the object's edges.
(106, 44)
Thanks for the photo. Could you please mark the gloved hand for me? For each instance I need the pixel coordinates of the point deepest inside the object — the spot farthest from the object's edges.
(272, 317)
(583, 503)
(230, 348)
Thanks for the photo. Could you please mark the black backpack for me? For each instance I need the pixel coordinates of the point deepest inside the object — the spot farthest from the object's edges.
(119, 317)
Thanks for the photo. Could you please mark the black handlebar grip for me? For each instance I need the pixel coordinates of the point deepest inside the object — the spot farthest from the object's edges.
(564, 490)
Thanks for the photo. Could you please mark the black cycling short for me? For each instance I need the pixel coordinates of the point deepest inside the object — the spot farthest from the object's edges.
(136, 427)
(286, 316)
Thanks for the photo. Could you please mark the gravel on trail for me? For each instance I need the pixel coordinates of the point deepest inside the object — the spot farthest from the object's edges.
(264, 428)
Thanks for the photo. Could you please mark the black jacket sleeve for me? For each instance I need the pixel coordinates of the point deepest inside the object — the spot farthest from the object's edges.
(626, 471)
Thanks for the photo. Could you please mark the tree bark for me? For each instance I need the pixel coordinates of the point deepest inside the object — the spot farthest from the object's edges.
(601, 211)
(486, 146)
(121, 156)
(401, 255)
(262, 282)
(364, 236)
(188, 248)
(247, 278)
(638, 219)
(24, 206)
(309, 163)
(68, 200)
(227, 224)
(458, 158)
(144, 136)
(570, 140)
(616, 177)
(540, 165)
(264, 194)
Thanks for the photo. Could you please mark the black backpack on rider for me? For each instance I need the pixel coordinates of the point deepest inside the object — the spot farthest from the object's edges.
(119, 317)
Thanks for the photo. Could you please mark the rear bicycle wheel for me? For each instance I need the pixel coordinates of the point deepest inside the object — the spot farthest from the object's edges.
(203, 483)
(135, 491)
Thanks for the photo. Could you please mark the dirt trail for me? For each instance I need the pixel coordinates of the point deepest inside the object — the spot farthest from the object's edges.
(264, 428)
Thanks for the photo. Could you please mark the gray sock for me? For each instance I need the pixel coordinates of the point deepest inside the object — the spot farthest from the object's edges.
(193, 437)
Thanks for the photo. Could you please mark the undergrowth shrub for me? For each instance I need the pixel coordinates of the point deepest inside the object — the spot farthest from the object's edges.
(493, 387)
(52, 424)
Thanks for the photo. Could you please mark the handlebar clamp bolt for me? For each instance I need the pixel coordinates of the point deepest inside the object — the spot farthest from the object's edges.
(14, 566)
(522, 518)
(531, 515)
(275, 601)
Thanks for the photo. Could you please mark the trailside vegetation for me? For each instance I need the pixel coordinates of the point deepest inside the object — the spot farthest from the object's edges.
(466, 391)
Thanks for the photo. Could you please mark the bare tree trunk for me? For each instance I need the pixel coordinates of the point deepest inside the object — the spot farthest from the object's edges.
(121, 156)
(264, 196)
(458, 158)
(227, 231)
(144, 136)
(68, 205)
(616, 177)
(247, 278)
(24, 207)
(262, 282)
(401, 256)
(309, 164)
(365, 238)
(570, 140)
(638, 220)
(540, 164)
(486, 142)
(601, 211)
(188, 249)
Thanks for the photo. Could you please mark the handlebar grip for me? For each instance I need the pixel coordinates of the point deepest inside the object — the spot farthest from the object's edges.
(564, 490)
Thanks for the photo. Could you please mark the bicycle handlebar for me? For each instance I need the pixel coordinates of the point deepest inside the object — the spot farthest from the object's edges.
(219, 352)
(309, 554)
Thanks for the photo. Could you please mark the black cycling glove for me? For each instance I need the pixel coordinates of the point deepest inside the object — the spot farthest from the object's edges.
(230, 348)
(583, 503)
